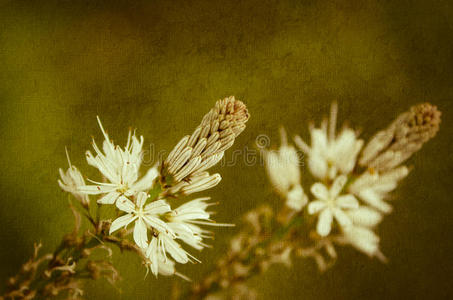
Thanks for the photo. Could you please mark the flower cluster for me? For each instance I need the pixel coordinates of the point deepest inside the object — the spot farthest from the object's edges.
(144, 201)
(351, 180)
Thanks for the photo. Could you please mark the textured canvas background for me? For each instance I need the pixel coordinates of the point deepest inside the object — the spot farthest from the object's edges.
(159, 66)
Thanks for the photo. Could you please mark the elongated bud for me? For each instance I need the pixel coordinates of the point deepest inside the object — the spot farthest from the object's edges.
(204, 148)
(405, 136)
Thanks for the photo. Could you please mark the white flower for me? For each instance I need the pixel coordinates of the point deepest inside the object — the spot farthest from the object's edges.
(364, 240)
(185, 219)
(365, 216)
(143, 217)
(183, 222)
(158, 262)
(361, 235)
(162, 265)
(71, 180)
(120, 167)
(329, 205)
(296, 198)
(328, 154)
(282, 168)
(164, 243)
(373, 188)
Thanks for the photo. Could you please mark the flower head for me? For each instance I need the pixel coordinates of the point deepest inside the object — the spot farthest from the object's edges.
(144, 217)
(329, 205)
(372, 187)
(185, 221)
(361, 235)
(330, 154)
(364, 240)
(159, 264)
(157, 260)
(365, 216)
(71, 180)
(120, 167)
(282, 168)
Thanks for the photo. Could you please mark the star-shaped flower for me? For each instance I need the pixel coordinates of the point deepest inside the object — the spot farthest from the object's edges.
(120, 167)
(330, 205)
(329, 153)
(185, 219)
(144, 217)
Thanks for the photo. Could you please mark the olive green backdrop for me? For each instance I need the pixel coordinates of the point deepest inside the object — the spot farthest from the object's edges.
(159, 66)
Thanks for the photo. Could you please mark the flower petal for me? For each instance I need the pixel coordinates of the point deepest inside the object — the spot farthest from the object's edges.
(324, 222)
(338, 185)
(342, 218)
(141, 199)
(320, 191)
(174, 249)
(158, 224)
(364, 240)
(375, 200)
(318, 165)
(316, 206)
(365, 216)
(140, 236)
(109, 198)
(347, 201)
(122, 221)
(296, 198)
(146, 182)
(96, 189)
(125, 204)
(157, 207)
(152, 252)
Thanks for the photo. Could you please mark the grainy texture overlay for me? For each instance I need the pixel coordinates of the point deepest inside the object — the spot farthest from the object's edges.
(158, 65)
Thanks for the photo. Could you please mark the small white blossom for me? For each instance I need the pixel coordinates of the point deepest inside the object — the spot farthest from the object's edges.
(71, 180)
(365, 216)
(120, 167)
(329, 154)
(144, 216)
(372, 187)
(364, 240)
(329, 205)
(183, 223)
(185, 219)
(296, 198)
(282, 168)
(159, 263)
(162, 244)
(361, 235)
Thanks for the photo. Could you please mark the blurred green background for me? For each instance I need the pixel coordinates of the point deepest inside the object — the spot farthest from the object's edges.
(159, 66)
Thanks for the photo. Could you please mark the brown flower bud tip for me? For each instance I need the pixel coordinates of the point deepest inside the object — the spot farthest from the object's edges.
(204, 148)
(427, 116)
(405, 136)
